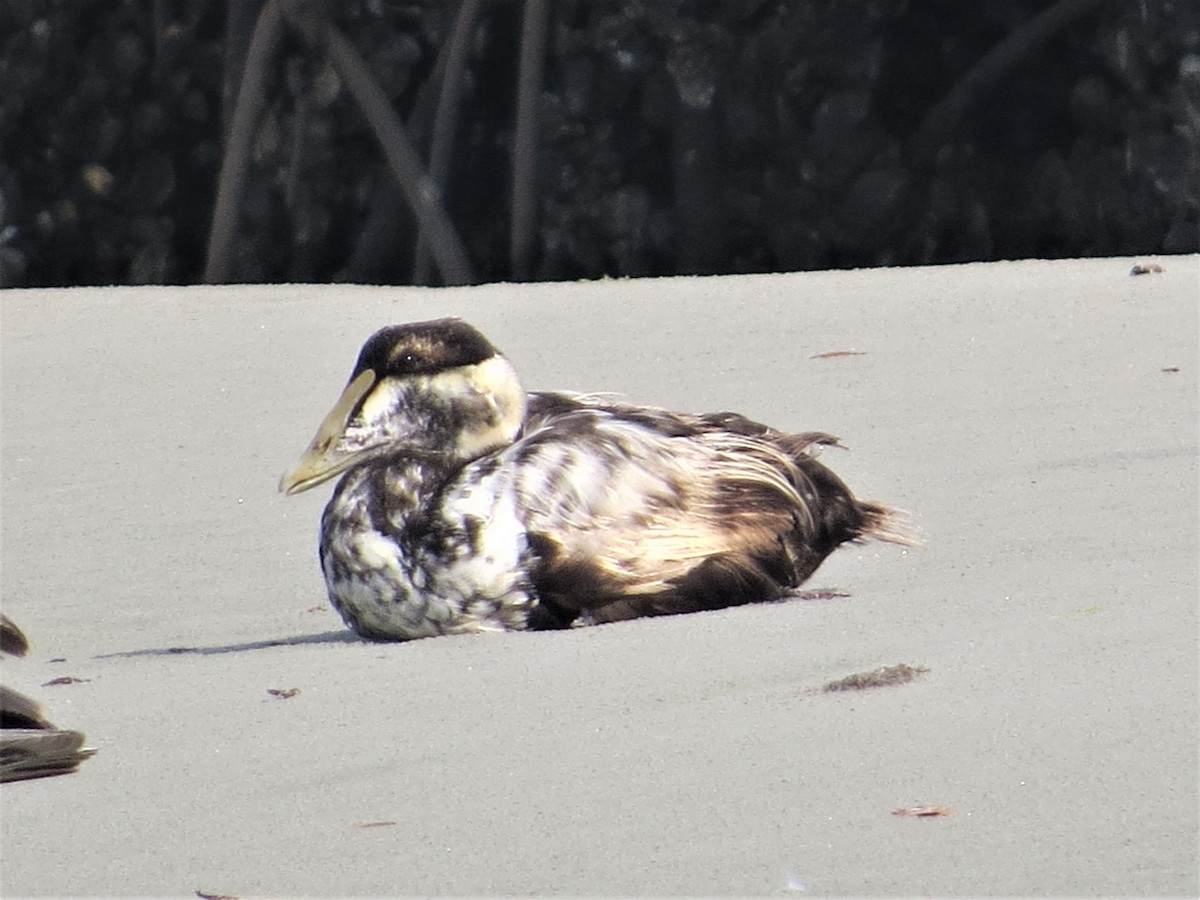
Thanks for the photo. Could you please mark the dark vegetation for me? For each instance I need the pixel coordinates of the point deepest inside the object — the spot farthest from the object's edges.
(582, 138)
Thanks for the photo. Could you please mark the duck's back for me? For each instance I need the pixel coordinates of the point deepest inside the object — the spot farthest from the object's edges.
(630, 511)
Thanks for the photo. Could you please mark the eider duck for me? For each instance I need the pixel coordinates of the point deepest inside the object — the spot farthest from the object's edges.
(30, 745)
(467, 504)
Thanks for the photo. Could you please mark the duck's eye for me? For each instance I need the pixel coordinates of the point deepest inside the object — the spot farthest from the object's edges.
(404, 362)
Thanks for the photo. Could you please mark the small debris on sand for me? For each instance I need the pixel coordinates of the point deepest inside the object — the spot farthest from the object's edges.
(901, 673)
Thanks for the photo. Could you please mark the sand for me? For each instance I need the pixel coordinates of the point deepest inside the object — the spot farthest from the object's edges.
(1038, 419)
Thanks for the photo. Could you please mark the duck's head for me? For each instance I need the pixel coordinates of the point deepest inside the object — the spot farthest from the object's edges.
(429, 390)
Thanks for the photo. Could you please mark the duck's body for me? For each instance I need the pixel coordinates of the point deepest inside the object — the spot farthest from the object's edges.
(468, 505)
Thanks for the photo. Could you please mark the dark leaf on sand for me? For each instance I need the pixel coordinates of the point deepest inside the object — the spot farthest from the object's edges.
(283, 693)
(902, 673)
(833, 354)
(65, 679)
(923, 812)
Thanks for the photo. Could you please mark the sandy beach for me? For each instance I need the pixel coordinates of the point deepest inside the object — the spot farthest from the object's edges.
(1038, 420)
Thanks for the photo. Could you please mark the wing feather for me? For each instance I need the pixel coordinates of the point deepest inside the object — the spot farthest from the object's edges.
(631, 511)
(646, 511)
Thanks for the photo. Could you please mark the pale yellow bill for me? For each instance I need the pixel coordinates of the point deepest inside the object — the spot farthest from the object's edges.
(322, 459)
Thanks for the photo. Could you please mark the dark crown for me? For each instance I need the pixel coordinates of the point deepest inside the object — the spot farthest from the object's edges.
(422, 348)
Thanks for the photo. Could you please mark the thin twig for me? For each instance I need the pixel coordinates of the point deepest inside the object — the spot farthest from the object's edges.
(158, 18)
(524, 185)
(940, 121)
(445, 122)
(420, 191)
(236, 161)
(240, 16)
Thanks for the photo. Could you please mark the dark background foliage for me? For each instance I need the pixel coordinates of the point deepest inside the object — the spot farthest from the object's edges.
(672, 136)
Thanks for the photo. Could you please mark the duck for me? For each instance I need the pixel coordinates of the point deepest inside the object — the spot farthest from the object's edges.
(468, 504)
(31, 746)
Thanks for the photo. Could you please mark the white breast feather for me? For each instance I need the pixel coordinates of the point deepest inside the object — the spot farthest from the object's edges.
(488, 574)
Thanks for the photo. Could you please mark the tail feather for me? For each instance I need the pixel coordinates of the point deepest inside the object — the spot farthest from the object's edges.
(887, 523)
(38, 753)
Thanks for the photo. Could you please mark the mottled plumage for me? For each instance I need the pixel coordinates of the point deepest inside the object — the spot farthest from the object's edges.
(469, 505)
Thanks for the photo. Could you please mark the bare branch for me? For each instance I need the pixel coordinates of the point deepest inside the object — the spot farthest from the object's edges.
(529, 90)
(940, 121)
(445, 123)
(236, 161)
(418, 187)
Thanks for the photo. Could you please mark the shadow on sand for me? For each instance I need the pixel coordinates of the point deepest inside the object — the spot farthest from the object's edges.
(342, 636)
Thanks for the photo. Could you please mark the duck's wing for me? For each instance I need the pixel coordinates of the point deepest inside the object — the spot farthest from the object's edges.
(19, 711)
(634, 511)
(12, 639)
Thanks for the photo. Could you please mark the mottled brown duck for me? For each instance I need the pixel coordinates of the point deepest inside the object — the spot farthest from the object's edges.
(467, 504)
